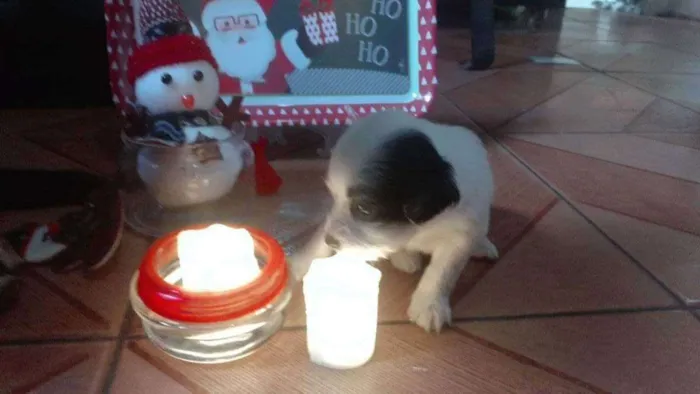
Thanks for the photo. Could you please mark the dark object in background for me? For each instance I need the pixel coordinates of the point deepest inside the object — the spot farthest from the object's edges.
(456, 13)
(53, 54)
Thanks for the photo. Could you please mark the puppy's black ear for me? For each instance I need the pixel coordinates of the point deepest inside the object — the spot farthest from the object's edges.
(415, 177)
(437, 197)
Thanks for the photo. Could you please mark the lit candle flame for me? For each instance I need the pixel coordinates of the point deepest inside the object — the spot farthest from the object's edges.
(341, 294)
(217, 258)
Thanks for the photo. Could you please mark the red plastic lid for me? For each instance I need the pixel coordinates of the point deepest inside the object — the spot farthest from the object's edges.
(175, 303)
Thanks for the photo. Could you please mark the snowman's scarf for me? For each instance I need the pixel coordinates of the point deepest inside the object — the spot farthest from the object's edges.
(168, 127)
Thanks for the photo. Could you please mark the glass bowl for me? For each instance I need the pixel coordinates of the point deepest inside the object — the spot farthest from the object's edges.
(210, 327)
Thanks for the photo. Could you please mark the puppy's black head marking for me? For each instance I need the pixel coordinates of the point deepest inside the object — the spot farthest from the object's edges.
(405, 181)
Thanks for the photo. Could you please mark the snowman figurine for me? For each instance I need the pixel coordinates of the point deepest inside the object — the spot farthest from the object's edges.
(186, 157)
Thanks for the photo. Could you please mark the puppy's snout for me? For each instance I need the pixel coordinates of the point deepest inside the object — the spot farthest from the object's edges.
(332, 241)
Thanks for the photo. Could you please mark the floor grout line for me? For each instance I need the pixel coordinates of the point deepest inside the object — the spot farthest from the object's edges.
(608, 161)
(563, 196)
(55, 341)
(678, 103)
(649, 137)
(41, 147)
(609, 74)
(458, 296)
(693, 309)
(113, 365)
(511, 68)
(522, 359)
(591, 132)
(584, 313)
(512, 118)
(646, 72)
(575, 207)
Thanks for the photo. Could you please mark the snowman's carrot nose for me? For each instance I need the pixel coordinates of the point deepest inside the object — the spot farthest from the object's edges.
(188, 101)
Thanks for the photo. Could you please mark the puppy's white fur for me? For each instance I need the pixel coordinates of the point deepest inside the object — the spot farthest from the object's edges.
(450, 238)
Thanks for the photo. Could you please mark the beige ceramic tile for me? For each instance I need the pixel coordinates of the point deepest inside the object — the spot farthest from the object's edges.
(652, 58)
(684, 89)
(638, 30)
(515, 55)
(572, 29)
(17, 153)
(45, 311)
(546, 42)
(563, 264)
(93, 141)
(587, 15)
(671, 255)
(18, 121)
(443, 110)
(104, 293)
(598, 104)
(406, 360)
(628, 150)
(631, 353)
(451, 75)
(71, 368)
(597, 54)
(74, 304)
(492, 100)
(136, 375)
(690, 140)
(663, 116)
(638, 193)
(519, 199)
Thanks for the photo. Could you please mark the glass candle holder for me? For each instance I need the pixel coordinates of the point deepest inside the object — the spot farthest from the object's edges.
(341, 294)
(210, 327)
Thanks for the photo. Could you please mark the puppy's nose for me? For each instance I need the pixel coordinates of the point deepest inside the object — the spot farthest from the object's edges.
(332, 242)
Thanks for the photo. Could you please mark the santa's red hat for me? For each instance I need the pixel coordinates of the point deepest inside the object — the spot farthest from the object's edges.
(222, 8)
(167, 51)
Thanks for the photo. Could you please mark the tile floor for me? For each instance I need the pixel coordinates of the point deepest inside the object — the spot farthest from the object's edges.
(597, 217)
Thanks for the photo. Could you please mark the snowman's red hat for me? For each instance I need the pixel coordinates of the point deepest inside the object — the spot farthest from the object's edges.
(167, 51)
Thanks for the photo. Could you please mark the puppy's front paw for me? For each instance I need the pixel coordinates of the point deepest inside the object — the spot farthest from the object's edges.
(406, 261)
(486, 250)
(430, 312)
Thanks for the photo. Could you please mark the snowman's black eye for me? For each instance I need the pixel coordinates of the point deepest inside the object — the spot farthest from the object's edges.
(166, 78)
(198, 76)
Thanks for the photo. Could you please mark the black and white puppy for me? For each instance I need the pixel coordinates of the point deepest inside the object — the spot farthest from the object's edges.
(403, 187)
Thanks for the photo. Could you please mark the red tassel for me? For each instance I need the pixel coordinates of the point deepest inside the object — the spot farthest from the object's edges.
(267, 181)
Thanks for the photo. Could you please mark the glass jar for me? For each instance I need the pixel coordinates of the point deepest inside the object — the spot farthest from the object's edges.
(171, 185)
(210, 327)
(341, 294)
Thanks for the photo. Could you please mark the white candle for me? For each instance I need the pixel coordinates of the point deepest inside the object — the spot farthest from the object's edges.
(341, 295)
(216, 258)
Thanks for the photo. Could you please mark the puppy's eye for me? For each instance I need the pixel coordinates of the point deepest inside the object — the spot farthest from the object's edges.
(198, 76)
(363, 210)
(166, 78)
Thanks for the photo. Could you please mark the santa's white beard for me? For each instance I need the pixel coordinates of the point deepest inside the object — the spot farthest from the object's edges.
(248, 61)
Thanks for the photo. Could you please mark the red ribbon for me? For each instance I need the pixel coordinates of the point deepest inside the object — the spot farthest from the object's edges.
(307, 6)
(326, 5)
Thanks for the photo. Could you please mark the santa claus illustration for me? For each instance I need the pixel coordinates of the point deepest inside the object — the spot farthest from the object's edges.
(250, 59)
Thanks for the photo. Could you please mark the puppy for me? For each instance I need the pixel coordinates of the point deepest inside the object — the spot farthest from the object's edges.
(403, 187)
